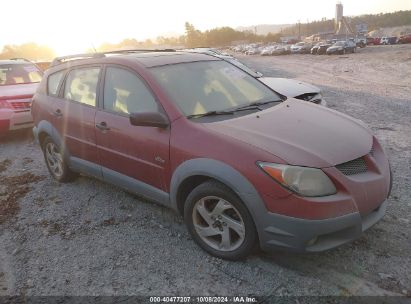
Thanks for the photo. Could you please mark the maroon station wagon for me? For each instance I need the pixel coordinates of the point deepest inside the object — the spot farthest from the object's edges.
(242, 163)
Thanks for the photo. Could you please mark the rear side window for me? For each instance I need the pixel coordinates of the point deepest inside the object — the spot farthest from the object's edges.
(125, 92)
(53, 82)
(81, 85)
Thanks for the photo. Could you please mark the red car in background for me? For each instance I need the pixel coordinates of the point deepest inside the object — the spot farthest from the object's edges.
(370, 41)
(19, 79)
(405, 39)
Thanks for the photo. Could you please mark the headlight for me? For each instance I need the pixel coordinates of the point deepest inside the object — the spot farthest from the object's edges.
(301, 180)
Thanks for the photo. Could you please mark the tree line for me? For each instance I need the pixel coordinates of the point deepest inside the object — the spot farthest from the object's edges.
(30, 50)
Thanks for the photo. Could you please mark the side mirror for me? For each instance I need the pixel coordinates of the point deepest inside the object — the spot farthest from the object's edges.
(149, 119)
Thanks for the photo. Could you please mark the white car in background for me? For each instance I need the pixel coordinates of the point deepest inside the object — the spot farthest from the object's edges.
(296, 48)
(268, 51)
(19, 79)
(285, 86)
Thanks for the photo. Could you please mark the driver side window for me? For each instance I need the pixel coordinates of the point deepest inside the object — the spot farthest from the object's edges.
(124, 92)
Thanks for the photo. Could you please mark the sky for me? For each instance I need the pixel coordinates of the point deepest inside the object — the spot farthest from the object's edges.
(72, 26)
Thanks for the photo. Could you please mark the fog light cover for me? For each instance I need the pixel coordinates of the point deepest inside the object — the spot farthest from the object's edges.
(312, 241)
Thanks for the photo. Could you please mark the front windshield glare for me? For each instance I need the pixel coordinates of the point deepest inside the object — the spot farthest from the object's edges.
(19, 74)
(200, 87)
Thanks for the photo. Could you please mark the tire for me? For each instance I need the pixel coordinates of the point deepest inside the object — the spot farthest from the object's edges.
(55, 161)
(229, 230)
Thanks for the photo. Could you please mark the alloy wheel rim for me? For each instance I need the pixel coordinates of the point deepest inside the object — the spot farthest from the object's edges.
(218, 223)
(54, 159)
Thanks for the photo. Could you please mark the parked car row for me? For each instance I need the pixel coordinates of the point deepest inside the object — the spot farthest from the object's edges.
(389, 40)
(263, 50)
(320, 48)
(336, 46)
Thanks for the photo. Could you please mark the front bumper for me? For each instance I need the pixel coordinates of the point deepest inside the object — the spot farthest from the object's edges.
(14, 120)
(301, 235)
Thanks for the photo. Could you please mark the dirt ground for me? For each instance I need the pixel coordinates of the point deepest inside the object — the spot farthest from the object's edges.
(91, 238)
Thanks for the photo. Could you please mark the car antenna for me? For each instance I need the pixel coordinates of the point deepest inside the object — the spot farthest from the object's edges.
(92, 45)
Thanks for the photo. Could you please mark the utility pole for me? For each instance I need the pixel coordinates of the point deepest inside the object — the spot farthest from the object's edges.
(299, 30)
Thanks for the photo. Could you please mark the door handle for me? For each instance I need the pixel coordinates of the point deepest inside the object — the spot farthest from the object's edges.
(102, 126)
(58, 113)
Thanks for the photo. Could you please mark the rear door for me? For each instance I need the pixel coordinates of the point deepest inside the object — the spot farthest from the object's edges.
(75, 114)
(140, 153)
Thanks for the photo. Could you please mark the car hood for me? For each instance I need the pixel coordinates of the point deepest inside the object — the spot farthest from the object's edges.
(301, 133)
(289, 87)
(24, 89)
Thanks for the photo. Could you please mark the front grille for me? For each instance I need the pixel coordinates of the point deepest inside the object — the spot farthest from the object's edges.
(20, 105)
(353, 167)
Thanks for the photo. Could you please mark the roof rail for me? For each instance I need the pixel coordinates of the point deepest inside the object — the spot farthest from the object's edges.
(62, 59)
(20, 58)
(139, 51)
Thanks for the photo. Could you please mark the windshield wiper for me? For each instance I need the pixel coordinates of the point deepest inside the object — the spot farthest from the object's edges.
(210, 113)
(254, 105)
(250, 106)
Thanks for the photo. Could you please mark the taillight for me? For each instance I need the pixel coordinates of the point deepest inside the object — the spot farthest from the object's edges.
(4, 104)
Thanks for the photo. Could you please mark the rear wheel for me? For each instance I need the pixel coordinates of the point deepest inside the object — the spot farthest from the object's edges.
(219, 222)
(55, 161)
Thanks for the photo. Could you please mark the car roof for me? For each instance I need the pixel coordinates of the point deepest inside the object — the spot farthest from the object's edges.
(148, 59)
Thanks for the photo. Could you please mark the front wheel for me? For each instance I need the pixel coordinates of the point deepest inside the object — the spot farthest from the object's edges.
(219, 222)
(55, 162)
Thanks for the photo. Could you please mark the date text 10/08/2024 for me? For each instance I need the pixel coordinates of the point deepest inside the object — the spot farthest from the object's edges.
(206, 299)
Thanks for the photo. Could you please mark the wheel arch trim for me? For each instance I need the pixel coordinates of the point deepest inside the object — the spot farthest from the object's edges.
(221, 172)
(45, 127)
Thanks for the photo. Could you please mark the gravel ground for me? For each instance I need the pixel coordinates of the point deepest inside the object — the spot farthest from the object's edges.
(91, 238)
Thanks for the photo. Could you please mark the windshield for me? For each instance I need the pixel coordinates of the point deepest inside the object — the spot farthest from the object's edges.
(19, 73)
(200, 87)
(340, 43)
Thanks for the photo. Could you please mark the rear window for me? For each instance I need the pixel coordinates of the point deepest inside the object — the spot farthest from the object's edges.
(53, 83)
(19, 73)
